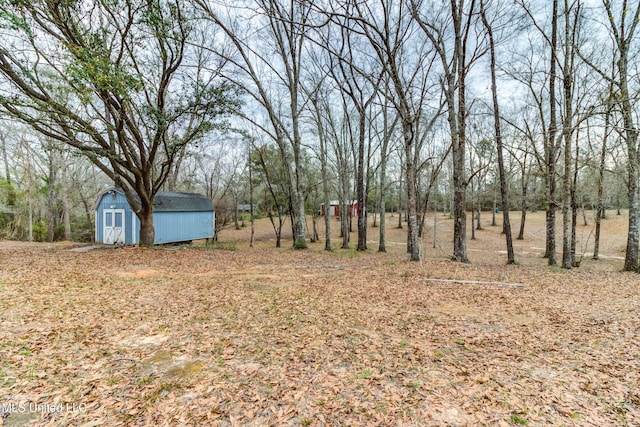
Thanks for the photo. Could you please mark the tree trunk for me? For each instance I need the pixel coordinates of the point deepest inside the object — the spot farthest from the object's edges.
(66, 216)
(523, 204)
(473, 229)
(550, 143)
(459, 211)
(493, 211)
(344, 224)
(567, 213)
(325, 192)
(360, 190)
(631, 256)
(383, 204)
(567, 132)
(52, 211)
(631, 134)
(574, 206)
(5, 159)
(323, 172)
(506, 226)
(458, 208)
(435, 224)
(172, 180)
(147, 232)
(473, 210)
(523, 218)
(423, 211)
(30, 230)
(458, 133)
(314, 234)
(327, 222)
(277, 229)
(88, 216)
(235, 212)
(251, 210)
(300, 235)
(600, 211)
(400, 201)
(574, 223)
(412, 208)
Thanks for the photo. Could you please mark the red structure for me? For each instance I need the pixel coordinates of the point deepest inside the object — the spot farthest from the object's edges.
(334, 208)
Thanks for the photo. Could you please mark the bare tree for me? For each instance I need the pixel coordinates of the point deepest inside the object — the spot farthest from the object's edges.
(548, 117)
(282, 32)
(387, 26)
(600, 206)
(388, 126)
(358, 79)
(458, 17)
(621, 24)
(320, 125)
(623, 32)
(498, 136)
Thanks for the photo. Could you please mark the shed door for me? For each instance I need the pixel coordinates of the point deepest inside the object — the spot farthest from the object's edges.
(114, 226)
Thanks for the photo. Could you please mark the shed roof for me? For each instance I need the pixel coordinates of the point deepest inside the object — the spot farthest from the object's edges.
(166, 201)
(169, 201)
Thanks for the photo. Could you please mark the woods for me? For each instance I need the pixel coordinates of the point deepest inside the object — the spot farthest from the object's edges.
(403, 106)
(302, 212)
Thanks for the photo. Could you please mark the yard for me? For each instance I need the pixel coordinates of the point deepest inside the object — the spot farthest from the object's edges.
(236, 336)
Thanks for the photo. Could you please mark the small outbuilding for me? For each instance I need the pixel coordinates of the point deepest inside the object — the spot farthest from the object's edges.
(334, 208)
(177, 217)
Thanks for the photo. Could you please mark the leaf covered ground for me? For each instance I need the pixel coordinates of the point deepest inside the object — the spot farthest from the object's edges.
(263, 336)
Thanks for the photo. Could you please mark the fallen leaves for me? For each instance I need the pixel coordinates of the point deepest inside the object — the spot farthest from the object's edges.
(265, 337)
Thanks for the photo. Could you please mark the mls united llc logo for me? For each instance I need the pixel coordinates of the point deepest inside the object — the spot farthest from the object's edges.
(22, 407)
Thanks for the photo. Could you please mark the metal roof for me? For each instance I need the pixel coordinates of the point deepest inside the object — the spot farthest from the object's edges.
(169, 201)
(166, 201)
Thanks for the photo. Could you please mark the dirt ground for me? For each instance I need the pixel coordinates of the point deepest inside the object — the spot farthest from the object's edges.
(229, 335)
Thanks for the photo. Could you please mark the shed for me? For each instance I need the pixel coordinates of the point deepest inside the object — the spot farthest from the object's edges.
(177, 217)
(334, 208)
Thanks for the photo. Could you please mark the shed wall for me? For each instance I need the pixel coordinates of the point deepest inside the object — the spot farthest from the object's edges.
(182, 226)
(116, 200)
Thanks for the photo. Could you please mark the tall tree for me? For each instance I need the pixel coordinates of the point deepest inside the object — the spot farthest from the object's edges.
(606, 133)
(114, 80)
(571, 15)
(506, 225)
(621, 24)
(358, 79)
(458, 17)
(550, 144)
(388, 127)
(324, 172)
(388, 28)
(548, 116)
(280, 30)
(623, 31)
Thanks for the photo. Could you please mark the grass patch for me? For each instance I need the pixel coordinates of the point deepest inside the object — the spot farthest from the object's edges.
(225, 246)
(516, 419)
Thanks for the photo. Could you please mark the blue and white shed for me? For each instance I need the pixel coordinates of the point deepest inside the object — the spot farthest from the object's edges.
(177, 217)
